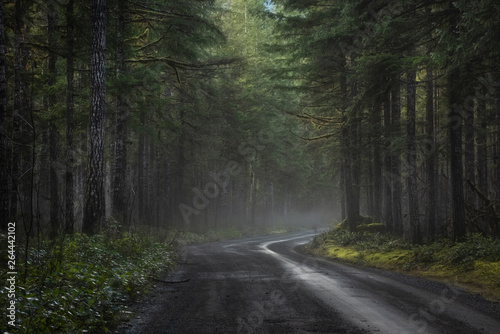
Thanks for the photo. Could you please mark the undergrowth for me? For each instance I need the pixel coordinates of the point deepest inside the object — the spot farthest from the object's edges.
(475, 247)
(475, 261)
(80, 284)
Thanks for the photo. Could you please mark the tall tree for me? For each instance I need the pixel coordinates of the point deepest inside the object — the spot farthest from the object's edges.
(377, 163)
(468, 110)
(411, 157)
(397, 191)
(455, 130)
(70, 110)
(122, 109)
(94, 211)
(4, 167)
(22, 152)
(52, 19)
(430, 150)
(388, 176)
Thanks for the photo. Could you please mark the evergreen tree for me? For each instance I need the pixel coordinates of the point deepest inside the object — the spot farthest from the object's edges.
(94, 213)
(4, 167)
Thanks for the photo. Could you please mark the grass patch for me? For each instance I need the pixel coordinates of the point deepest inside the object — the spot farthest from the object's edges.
(474, 264)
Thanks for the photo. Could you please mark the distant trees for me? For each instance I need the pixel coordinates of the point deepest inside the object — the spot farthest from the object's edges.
(204, 114)
(411, 60)
(134, 111)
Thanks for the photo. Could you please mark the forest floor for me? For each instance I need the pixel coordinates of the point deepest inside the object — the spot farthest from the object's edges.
(473, 264)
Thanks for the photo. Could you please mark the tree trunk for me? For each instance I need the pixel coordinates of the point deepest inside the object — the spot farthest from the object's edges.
(496, 105)
(22, 163)
(252, 201)
(181, 162)
(53, 134)
(70, 109)
(352, 207)
(468, 129)
(377, 165)
(355, 149)
(122, 109)
(455, 129)
(411, 154)
(389, 219)
(140, 168)
(348, 178)
(94, 212)
(430, 155)
(370, 191)
(4, 167)
(482, 148)
(343, 213)
(397, 190)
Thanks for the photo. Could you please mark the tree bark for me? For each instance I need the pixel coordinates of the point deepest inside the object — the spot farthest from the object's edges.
(122, 109)
(53, 133)
(397, 190)
(377, 165)
(181, 161)
(252, 192)
(468, 129)
(21, 158)
(343, 213)
(352, 207)
(140, 168)
(455, 129)
(70, 110)
(482, 148)
(355, 150)
(94, 212)
(496, 105)
(411, 158)
(370, 189)
(388, 177)
(430, 154)
(4, 166)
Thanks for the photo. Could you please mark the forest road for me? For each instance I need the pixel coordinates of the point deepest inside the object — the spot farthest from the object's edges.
(266, 285)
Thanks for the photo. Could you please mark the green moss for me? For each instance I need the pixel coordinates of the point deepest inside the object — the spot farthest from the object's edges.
(390, 260)
(473, 264)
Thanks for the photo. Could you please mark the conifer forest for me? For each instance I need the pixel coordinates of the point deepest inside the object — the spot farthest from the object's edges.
(229, 113)
(158, 116)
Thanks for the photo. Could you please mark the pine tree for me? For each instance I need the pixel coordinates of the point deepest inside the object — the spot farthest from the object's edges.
(94, 213)
(4, 167)
(70, 128)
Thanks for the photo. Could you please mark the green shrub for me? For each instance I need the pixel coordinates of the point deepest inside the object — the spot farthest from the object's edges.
(81, 283)
(475, 247)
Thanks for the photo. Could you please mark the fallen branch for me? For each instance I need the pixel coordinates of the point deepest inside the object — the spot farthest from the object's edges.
(171, 282)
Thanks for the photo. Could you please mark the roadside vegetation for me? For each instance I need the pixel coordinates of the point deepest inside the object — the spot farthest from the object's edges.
(80, 284)
(473, 263)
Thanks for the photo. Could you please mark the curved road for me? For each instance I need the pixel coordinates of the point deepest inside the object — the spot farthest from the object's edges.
(265, 285)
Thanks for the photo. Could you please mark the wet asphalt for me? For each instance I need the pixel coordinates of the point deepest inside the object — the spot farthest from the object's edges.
(268, 285)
